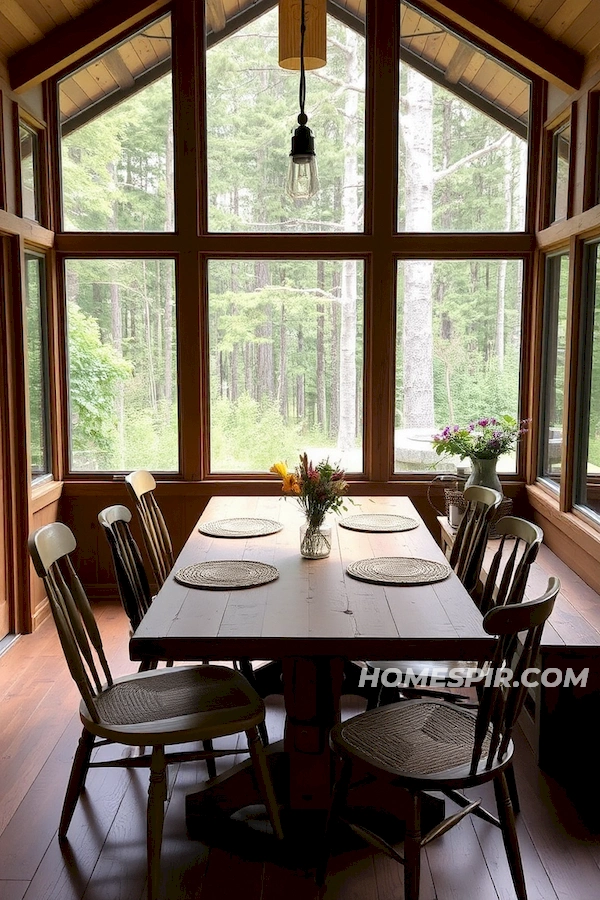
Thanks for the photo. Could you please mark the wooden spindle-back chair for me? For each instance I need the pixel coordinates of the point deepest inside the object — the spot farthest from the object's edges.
(432, 745)
(157, 709)
(141, 485)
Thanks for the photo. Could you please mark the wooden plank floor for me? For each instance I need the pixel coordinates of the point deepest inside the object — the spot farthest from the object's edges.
(106, 855)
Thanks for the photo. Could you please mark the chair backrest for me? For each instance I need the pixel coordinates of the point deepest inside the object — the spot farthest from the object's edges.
(141, 485)
(509, 570)
(471, 538)
(518, 627)
(132, 581)
(80, 638)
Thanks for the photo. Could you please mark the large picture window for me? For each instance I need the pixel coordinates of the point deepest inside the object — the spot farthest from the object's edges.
(553, 368)
(457, 352)
(116, 122)
(296, 296)
(252, 107)
(37, 367)
(122, 364)
(462, 155)
(286, 361)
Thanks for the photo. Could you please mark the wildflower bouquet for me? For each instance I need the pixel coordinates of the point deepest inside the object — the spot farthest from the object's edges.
(482, 439)
(318, 489)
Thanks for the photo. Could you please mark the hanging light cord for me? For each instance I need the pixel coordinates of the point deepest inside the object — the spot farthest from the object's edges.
(302, 89)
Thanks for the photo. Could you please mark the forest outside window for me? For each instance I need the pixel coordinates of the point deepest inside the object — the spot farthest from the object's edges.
(116, 126)
(553, 368)
(286, 362)
(458, 352)
(587, 485)
(37, 367)
(30, 167)
(463, 130)
(252, 107)
(122, 364)
(561, 154)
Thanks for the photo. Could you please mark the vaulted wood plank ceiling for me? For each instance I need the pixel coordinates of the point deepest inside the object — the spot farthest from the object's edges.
(572, 24)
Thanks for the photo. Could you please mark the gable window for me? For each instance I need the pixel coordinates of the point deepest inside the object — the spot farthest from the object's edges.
(116, 125)
(290, 311)
(252, 107)
(463, 144)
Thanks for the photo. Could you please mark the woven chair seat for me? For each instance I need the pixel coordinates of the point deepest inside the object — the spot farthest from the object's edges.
(211, 694)
(412, 738)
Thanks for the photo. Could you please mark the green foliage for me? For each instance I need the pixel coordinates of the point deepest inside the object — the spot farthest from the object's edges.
(94, 372)
(244, 433)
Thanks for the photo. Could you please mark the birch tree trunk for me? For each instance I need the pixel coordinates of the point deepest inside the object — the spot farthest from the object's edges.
(347, 402)
(169, 227)
(265, 374)
(282, 389)
(508, 224)
(417, 338)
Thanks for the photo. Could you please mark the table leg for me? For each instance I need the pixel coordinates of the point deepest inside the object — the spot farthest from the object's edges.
(312, 690)
(302, 772)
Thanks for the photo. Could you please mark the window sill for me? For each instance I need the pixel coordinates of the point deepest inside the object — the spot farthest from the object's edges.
(45, 494)
(573, 538)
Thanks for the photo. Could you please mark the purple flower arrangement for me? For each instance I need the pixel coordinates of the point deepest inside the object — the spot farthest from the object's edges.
(486, 438)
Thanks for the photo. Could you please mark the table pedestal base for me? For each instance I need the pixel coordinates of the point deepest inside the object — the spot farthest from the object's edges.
(227, 812)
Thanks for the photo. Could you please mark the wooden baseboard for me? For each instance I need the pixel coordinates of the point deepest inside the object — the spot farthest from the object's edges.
(41, 613)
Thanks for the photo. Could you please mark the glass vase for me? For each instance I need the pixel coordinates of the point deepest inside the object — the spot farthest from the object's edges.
(483, 474)
(315, 541)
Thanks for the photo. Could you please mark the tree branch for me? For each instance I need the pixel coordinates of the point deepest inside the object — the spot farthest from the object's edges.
(443, 173)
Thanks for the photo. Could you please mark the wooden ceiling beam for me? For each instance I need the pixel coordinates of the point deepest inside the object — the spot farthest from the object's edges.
(461, 58)
(72, 41)
(215, 14)
(116, 66)
(503, 30)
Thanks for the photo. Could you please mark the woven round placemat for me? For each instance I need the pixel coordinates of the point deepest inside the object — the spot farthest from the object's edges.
(379, 522)
(226, 574)
(398, 570)
(239, 528)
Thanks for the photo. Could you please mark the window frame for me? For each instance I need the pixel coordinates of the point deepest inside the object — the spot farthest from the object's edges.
(589, 308)
(81, 63)
(2, 155)
(84, 474)
(23, 119)
(551, 301)
(553, 133)
(45, 368)
(380, 245)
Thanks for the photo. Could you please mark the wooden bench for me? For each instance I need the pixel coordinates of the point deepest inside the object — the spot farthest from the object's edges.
(559, 721)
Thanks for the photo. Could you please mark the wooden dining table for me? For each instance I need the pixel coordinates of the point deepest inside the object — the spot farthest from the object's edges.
(313, 620)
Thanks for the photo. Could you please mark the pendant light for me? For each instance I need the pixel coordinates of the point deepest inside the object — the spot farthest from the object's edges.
(315, 38)
(302, 178)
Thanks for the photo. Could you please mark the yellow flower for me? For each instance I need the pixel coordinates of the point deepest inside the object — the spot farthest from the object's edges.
(290, 484)
(279, 468)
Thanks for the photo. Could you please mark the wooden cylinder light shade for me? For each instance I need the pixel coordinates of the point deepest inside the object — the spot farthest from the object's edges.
(315, 38)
